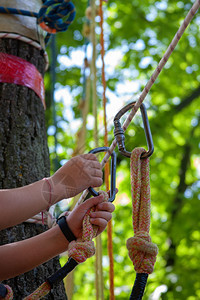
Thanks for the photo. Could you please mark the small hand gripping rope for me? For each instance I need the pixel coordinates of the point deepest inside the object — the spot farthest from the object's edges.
(141, 250)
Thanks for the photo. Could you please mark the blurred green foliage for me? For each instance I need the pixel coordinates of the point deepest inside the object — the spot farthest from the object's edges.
(142, 31)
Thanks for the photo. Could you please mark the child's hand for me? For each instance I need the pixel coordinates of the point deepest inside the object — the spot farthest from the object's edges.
(101, 217)
(79, 173)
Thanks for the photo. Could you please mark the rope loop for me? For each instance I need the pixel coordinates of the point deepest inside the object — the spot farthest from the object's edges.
(142, 252)
(56, 19)
(81, 250)
(84, 248)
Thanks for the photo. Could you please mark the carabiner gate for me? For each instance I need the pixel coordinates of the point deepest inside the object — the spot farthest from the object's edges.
(112, 171)
(119, 132)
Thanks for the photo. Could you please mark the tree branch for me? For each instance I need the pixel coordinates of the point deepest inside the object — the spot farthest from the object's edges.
(188, 100)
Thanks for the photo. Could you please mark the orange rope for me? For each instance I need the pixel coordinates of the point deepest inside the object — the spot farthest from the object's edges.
(109, 230)
(41, 291)
(141, 250)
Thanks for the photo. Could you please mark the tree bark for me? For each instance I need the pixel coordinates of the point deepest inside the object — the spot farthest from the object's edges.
(24, 159)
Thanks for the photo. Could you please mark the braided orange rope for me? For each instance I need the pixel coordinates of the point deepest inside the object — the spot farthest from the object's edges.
(141, 250)
(83, 248)
(41, 291)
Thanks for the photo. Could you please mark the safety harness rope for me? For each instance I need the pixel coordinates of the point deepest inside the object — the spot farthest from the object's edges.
(142, 251)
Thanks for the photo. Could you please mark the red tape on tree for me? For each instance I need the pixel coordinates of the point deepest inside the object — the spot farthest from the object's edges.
(14, 69)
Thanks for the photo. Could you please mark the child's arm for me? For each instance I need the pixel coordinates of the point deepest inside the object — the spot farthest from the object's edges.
(19, 204)
(20, 257)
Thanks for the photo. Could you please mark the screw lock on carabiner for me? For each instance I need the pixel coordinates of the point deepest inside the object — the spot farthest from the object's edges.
(119, 132)
(112, 175)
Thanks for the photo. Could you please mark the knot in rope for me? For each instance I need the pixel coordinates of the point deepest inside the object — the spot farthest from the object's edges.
(81, 250)
(56, 19)
(84, 247)
(142, 252)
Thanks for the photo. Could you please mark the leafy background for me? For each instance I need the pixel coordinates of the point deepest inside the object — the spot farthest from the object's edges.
(136, 35)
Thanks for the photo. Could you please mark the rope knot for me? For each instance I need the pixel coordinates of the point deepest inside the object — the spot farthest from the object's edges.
(56, 19)
(142, 252)
(81, 250)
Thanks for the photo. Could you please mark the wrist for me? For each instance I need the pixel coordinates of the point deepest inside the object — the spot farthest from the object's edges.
(66, 230)
(57, 193)
(59, 239)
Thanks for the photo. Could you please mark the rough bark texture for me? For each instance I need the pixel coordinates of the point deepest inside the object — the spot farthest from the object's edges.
(24, 158)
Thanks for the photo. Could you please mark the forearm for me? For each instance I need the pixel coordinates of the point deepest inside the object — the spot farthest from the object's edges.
(20, 257)
(19, 204)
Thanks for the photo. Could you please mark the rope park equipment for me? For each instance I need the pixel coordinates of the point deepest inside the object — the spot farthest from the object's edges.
(151, 81)
(17, 70)
(141, 278)
(52, 22)
(57, 19)
(136, 106)
(79, 250)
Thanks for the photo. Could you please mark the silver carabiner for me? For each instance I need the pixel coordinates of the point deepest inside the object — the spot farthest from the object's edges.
(119, 132)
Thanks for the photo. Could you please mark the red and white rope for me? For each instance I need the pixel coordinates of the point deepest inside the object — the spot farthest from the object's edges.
(45, 218)
(4, 35)
(151, 81)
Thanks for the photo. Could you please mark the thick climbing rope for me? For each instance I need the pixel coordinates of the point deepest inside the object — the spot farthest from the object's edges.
(83, 248)
(151, 81)
(41, 292)
(109, 227)
(142, 251)
(53, 21)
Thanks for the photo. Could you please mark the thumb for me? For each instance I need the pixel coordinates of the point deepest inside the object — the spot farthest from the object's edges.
(92, 202)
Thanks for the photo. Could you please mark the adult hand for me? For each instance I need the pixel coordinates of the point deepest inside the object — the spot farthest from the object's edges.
(79, 173)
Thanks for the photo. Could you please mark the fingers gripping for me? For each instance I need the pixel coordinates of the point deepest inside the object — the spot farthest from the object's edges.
(89, 230)
(85, 246)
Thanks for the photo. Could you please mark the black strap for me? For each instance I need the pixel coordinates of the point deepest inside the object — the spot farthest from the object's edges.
(59, 275)
(139, 286)
(62, 222)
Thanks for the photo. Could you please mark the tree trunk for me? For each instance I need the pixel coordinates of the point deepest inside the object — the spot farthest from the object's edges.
(24, 159)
